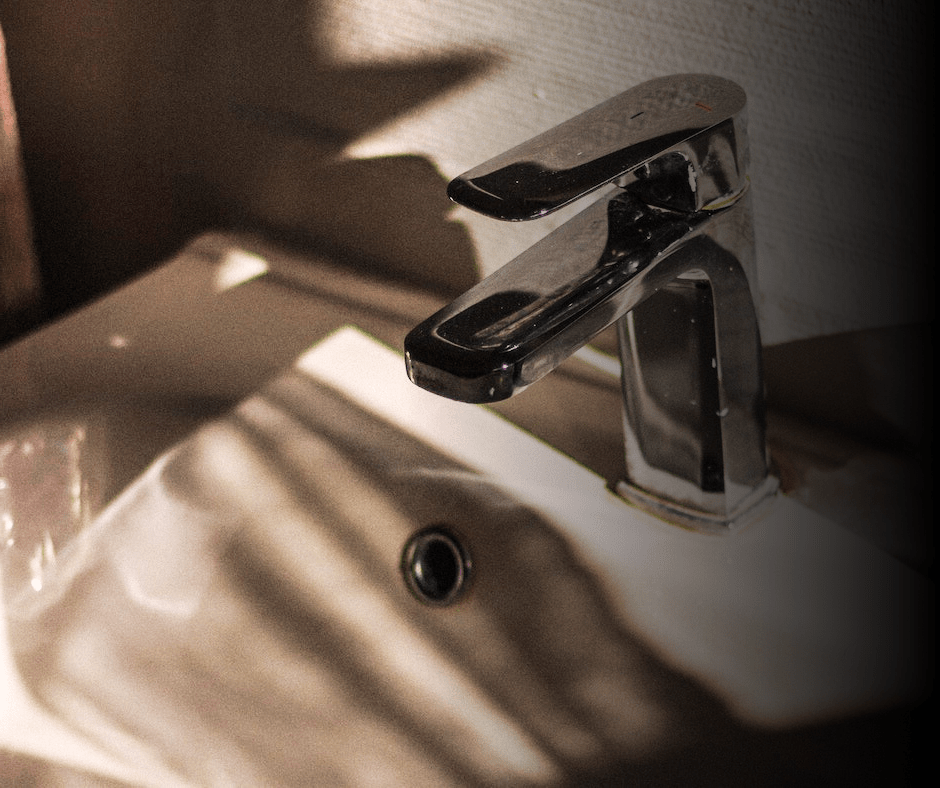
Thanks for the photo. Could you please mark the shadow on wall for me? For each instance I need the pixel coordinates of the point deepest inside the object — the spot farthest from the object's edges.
(143, 125)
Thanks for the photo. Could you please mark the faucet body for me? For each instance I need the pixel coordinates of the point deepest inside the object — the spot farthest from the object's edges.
(665, 251)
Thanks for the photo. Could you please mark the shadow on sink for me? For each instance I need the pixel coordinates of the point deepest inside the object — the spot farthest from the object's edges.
(849, 425)
(240, 613)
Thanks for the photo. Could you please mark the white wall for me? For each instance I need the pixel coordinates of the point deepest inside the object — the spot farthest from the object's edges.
(836, 120)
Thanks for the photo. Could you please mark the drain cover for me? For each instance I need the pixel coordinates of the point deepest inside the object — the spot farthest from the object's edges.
(435, 566)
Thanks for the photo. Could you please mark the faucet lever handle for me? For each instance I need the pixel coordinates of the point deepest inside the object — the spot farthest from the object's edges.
(681, 138)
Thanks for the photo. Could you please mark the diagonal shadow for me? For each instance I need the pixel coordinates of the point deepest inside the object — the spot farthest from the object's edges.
(144, 126)
(298, 656)
(273, 68)
(291, 111)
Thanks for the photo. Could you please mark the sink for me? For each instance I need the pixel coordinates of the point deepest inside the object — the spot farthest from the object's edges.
(239, 603)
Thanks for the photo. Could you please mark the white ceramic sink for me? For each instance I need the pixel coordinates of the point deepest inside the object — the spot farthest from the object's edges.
(236, 613)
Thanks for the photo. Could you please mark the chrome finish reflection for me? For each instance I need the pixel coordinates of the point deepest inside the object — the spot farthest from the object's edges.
(666, 251)
(681, 136)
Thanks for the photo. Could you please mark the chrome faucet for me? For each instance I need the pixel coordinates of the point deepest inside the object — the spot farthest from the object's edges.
(666, 251)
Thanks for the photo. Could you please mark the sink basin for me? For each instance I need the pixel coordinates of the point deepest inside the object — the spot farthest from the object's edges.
(238, 610)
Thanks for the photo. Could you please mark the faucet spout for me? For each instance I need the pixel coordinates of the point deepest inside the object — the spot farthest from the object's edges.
(678, 279)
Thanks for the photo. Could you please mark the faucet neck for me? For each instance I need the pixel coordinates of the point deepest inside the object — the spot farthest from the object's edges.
(692, 384)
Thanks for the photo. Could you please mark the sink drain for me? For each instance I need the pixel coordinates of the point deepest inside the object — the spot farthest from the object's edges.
(435, 566)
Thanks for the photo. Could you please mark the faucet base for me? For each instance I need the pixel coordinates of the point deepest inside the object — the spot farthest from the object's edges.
(753, 506)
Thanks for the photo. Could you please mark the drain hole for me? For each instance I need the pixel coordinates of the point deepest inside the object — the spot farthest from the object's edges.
(435, 566)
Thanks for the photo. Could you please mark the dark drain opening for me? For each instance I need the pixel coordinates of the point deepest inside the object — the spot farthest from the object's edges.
(435, 566)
